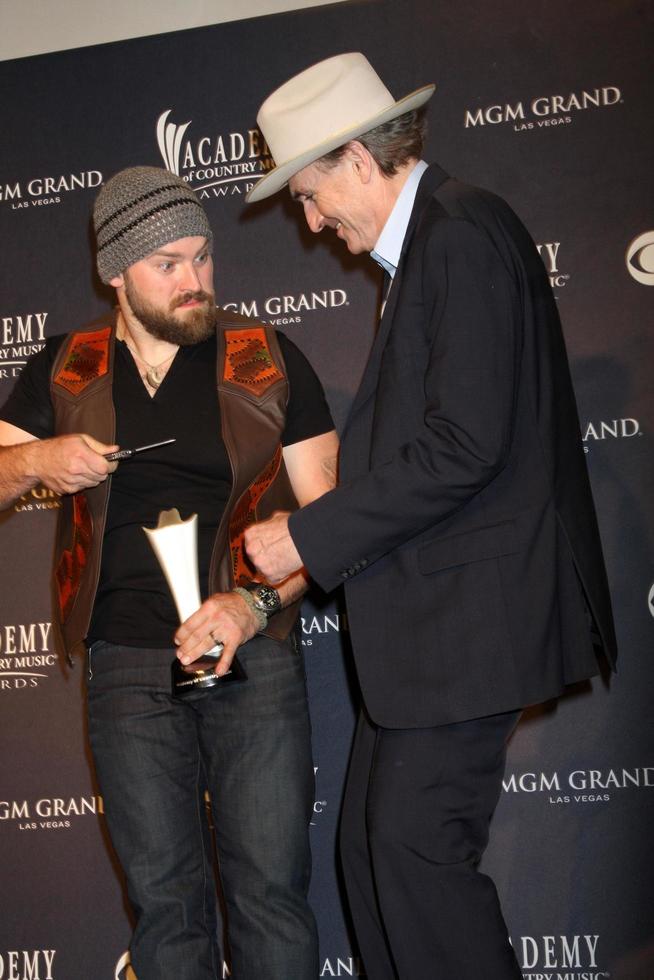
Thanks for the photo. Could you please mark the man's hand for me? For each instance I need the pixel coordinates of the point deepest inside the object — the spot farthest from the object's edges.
(64, 464)
(70, 463)
(270, 547)
(224, 618)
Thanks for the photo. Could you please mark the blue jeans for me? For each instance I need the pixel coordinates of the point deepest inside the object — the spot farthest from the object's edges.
(249, 745)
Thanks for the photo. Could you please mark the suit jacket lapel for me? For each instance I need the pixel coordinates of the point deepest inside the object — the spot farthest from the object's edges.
(432, 178)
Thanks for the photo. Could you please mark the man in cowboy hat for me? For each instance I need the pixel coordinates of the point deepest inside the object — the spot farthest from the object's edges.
(463, 527)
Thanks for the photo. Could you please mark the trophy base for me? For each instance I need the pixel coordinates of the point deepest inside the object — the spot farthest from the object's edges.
(200, 676)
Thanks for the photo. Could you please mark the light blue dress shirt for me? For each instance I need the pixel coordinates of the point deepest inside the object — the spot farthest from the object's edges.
(389, 244)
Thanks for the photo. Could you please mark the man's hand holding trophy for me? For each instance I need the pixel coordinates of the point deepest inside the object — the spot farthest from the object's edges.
(210, 632)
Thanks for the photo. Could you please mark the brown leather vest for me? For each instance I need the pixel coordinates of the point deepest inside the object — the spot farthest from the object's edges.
(252, 392)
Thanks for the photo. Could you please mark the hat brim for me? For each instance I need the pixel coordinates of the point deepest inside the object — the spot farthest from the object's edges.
(273, 181)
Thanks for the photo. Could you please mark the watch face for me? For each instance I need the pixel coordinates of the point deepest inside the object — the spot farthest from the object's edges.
(267, 598)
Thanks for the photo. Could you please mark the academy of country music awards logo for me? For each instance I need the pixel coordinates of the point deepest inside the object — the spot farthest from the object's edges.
(639, 258)
(216, 166)
(44, 191)
(21, 334)
(27, 964)
(228, 164)
(26, 658)
(319, 806)
(567, 957)
(48, 813)
(543, 111)
(549, 253)
(580, 786)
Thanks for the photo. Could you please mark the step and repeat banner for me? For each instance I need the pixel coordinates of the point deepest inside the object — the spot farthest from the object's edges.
(548, 105)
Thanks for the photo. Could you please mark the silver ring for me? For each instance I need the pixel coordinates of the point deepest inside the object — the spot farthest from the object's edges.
(214, 640)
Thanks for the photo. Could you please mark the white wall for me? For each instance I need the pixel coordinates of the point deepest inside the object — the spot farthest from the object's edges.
(30, 27)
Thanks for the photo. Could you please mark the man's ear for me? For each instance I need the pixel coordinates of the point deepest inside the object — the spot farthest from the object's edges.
(117, 282)
(361, 160)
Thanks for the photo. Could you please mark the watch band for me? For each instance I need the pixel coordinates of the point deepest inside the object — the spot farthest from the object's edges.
(262, 617)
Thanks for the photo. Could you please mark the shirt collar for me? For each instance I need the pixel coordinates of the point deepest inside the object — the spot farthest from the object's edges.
(389, 244)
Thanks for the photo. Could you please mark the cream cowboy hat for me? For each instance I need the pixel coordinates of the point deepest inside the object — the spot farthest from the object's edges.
(321, 108)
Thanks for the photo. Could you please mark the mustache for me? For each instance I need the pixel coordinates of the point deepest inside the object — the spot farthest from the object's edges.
(198, 295)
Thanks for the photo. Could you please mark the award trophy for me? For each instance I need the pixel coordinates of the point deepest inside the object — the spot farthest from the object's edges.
(174, 542)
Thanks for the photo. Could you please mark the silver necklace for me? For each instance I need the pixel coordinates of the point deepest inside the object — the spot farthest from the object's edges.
(154, 375)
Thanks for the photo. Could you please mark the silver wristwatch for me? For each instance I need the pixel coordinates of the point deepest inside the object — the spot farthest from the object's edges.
(265, 598)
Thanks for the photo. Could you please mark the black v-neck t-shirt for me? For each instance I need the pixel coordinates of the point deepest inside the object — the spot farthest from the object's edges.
(133, 603)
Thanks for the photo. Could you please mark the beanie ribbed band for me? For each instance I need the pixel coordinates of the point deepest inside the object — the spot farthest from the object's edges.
(139, 210)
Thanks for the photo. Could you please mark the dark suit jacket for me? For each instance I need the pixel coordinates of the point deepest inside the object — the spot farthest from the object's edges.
(464, 527)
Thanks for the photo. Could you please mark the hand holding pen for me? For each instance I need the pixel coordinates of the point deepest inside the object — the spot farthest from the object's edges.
(71, 463)
(121, 454)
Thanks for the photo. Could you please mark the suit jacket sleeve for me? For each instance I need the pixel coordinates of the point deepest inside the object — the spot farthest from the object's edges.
(470, 311)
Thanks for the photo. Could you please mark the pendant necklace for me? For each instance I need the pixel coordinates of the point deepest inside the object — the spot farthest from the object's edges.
(154, 375)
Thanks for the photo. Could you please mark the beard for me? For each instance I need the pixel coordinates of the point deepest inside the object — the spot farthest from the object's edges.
(198, 324)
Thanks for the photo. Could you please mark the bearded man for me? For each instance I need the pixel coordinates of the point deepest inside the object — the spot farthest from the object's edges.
(246, 431)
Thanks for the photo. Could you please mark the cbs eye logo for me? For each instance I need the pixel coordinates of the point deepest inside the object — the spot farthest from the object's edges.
(640, 259)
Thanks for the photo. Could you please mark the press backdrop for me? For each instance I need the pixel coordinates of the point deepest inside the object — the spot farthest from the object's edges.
(547, 104)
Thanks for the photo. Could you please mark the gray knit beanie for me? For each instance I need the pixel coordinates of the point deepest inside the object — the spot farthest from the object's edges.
(139, 210)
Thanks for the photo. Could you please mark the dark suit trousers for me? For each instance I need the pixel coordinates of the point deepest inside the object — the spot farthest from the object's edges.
(415, 824)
